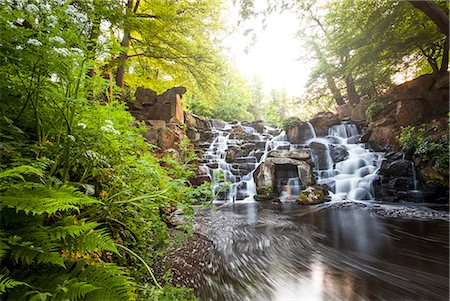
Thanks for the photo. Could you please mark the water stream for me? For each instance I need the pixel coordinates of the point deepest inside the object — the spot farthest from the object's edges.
(351, 248)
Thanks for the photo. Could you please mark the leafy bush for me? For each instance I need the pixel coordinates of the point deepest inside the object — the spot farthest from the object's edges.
(373, 109)
(416, 141)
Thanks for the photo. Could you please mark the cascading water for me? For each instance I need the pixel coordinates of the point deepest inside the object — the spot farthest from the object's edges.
(349, 176)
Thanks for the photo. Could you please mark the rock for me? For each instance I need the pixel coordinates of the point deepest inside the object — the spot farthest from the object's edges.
(157, 124)
(193, 134)
(231, 153)
(323, 121)
(365, 135)
(151, 135)
(338, 153)
(409, 111)
(258, 125)
(344, 111)
(354, 139)
(401, 183)
(304, 169)
(398, 168)
(145, 95)
(297, 154)
(359, 111)
(149, 106)
(201, 176)
(320, 151)
(264, 177)
(298, 132)
(169, 138)
(385, 138)
(218, 124)
(195, 121)
(311, 196)
(237, 132)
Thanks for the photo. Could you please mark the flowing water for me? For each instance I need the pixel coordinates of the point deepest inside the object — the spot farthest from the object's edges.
(333, 251)
(351, 248)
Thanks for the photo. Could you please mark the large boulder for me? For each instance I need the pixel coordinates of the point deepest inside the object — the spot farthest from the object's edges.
(338, 152)
(359, 110)
(232, 152)
(409, 111)
(298, 132)
(296, 154)
(264, 177)
(323, 121)
(345, 111)
(170, 136)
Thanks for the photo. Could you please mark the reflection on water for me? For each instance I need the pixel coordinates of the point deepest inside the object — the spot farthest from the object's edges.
(331, 252)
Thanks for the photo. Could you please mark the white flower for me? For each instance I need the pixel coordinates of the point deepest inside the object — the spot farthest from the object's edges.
(109, 128)
(34, 42)
(11, 24)
(57, 39)
(45, 7)
(71, 10)
(19, 21)
(81, 125)
(77, 51)
(32, 9)
(19, 47)
(52, 20)
(109, 121)
(61, 51)
(71, 137)
(59, 2)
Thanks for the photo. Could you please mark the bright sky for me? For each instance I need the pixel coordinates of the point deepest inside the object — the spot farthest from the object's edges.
(274, 56)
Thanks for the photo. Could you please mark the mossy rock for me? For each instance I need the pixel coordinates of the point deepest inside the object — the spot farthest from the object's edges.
(311, 196)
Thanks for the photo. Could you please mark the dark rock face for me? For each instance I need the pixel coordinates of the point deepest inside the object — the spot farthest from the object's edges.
(338, 153)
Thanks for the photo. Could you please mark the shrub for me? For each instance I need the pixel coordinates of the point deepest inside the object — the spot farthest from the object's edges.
(288, 123)
(416, 140)
(373, 109)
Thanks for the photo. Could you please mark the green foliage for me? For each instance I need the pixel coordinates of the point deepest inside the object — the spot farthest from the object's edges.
(288, 123)
(416, 140)
(373, 109)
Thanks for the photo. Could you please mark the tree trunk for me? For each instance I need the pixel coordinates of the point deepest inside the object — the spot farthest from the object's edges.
(336, 93)
(120, 76)
(352, 95)
(434, 12)
(444, 64)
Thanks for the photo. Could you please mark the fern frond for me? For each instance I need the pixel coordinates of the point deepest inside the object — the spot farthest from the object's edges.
(8, 283)
(93, 241)
(28, 252)
(4, 247)
(112, 281)
(62, 230)
(45, 200)
(77, 290)
(19, 171)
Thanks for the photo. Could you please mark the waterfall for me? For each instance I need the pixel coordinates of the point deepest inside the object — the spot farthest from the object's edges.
(414, 176)
(348, 168)
(350, 177)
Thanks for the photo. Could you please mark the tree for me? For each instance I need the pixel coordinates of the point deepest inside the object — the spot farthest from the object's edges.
(258, 96)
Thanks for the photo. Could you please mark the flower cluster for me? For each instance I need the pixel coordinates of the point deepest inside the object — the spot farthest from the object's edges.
(109, 128)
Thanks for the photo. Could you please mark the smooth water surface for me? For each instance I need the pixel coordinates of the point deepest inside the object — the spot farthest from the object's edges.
(333, 251)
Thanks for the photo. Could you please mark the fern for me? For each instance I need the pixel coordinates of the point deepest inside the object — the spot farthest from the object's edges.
(98, 240)
(45, 200)
(8, 283)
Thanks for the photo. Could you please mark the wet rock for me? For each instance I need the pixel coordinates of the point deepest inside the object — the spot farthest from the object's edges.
(397, 168)
(297, 154)
(264, 177)
(298, 132)
(193, 134)
(237, 132)
(151, 135)
(311, 196)
(218, 124)
(354, 139)
(231, 153)
(338, 153)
